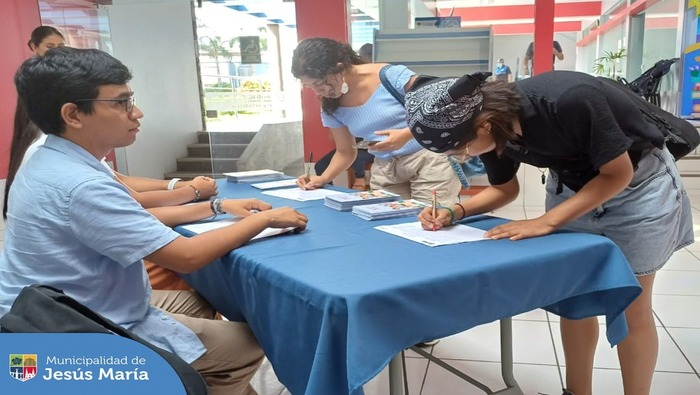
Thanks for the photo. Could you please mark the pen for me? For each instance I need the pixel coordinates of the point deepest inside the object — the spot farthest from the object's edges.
(308, 166)
(434, 207)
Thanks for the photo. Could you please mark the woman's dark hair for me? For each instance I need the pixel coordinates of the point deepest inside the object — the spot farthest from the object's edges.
(318, 58)
(501, 106)
(23, 135)
(45, 84)
(40, 33)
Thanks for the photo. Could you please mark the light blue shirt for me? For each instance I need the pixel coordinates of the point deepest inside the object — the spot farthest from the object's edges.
(380, 112)
(72, 226)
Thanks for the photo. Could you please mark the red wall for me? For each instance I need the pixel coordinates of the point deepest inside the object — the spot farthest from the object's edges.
(318, 18)
(18, 18)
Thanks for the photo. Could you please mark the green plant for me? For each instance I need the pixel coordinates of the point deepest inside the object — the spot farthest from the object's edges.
(216, 48)
(607, 64)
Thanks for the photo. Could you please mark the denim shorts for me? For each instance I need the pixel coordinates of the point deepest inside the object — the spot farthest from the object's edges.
(649, 220)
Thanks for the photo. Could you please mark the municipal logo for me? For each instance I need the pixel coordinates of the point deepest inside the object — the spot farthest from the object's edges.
(23, 366)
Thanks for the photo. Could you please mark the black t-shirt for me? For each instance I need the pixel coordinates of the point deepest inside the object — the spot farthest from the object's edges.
(530, 53)
(573, 124)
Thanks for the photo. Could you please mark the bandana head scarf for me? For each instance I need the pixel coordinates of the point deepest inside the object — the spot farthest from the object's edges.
(441, 111)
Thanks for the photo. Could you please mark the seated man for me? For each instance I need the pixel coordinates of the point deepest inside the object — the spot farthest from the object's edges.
(93, 235)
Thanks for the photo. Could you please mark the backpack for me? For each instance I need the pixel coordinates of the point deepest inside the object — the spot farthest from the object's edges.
(680, 137)
(44, 309)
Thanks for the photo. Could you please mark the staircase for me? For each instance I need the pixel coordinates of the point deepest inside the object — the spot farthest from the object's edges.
(224, 147)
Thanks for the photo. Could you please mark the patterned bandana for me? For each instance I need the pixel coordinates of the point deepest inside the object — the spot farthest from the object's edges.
(440, 111)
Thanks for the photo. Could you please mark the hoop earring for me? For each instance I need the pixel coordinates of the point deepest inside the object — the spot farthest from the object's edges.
(344, 88)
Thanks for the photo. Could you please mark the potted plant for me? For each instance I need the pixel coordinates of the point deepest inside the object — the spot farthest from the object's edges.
(607, 64)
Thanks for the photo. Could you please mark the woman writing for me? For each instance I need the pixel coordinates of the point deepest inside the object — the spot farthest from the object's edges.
(609, 173)
(355, 103)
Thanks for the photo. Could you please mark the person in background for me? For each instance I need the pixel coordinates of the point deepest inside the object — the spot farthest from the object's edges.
(502, 72)
(355, 104)
(93, 232)
(557, 53)
(44, 38)
(366, 52)
(358, 166)
(610, 174)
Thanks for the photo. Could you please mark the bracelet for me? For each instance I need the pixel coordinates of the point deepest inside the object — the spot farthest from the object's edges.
(452, 215)
(171, 184)
(464, 211)
(215, 206)
(196, 192)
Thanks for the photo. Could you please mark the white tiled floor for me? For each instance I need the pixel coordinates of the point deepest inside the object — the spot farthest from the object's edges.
(537, 348)
(538, 355)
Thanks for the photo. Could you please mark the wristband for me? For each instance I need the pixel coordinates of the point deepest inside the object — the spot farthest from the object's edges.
(464, 211)
(452, 215)
(171, 184)
(196, 192)
(215, 206)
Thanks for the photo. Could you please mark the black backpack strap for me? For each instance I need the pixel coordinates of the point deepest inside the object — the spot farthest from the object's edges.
(45, 309)
(387, 85)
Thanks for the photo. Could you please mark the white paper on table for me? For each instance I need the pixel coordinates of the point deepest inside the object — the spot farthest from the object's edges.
(207, 226)
(292, 182)
(450, 235)
(301, 194)
(254, 173)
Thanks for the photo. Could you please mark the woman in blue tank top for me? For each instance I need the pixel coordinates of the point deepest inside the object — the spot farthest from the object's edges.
(355, 103)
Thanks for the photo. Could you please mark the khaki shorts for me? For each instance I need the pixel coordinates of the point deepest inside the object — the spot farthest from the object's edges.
(416, 176)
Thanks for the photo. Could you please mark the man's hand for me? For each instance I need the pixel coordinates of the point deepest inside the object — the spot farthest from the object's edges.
(286, 217)
(244, 207)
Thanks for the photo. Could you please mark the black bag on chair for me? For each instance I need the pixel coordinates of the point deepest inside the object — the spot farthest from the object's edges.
(44, 309)
(680, 137)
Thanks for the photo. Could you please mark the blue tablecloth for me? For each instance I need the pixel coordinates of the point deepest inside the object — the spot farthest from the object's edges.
(332, 305)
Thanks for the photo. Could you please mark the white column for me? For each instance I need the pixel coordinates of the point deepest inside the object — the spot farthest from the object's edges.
(155, 39)
(394, 15)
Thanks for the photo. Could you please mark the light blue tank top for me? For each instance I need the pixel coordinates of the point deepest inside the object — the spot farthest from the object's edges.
(380, 112)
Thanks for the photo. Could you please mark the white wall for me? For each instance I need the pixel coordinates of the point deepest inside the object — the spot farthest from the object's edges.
(155, 39)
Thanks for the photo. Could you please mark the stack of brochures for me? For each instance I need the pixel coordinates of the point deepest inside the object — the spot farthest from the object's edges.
(400, 208)
(346, 201)
(255, 176)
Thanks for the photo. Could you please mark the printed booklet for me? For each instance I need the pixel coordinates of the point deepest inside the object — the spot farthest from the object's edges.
(400, 208)
(346, 201)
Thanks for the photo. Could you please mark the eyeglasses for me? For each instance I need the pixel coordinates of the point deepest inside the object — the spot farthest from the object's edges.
(128, 102)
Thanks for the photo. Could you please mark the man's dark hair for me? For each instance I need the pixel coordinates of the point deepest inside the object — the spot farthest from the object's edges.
(45, 84)
(64, 74)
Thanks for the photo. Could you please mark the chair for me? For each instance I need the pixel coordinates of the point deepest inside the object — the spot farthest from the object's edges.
(352, 179)
(648, 84)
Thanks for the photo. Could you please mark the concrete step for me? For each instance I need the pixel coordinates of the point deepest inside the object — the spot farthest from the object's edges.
(205, 150)
(207, 165)
(225, 137)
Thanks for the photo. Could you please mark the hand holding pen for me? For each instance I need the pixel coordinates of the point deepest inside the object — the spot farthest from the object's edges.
(436, 217)
(307, 181)
(434, 207)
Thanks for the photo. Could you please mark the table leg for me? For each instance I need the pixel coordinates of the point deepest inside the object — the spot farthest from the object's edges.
(396, 375)
(512, 387)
